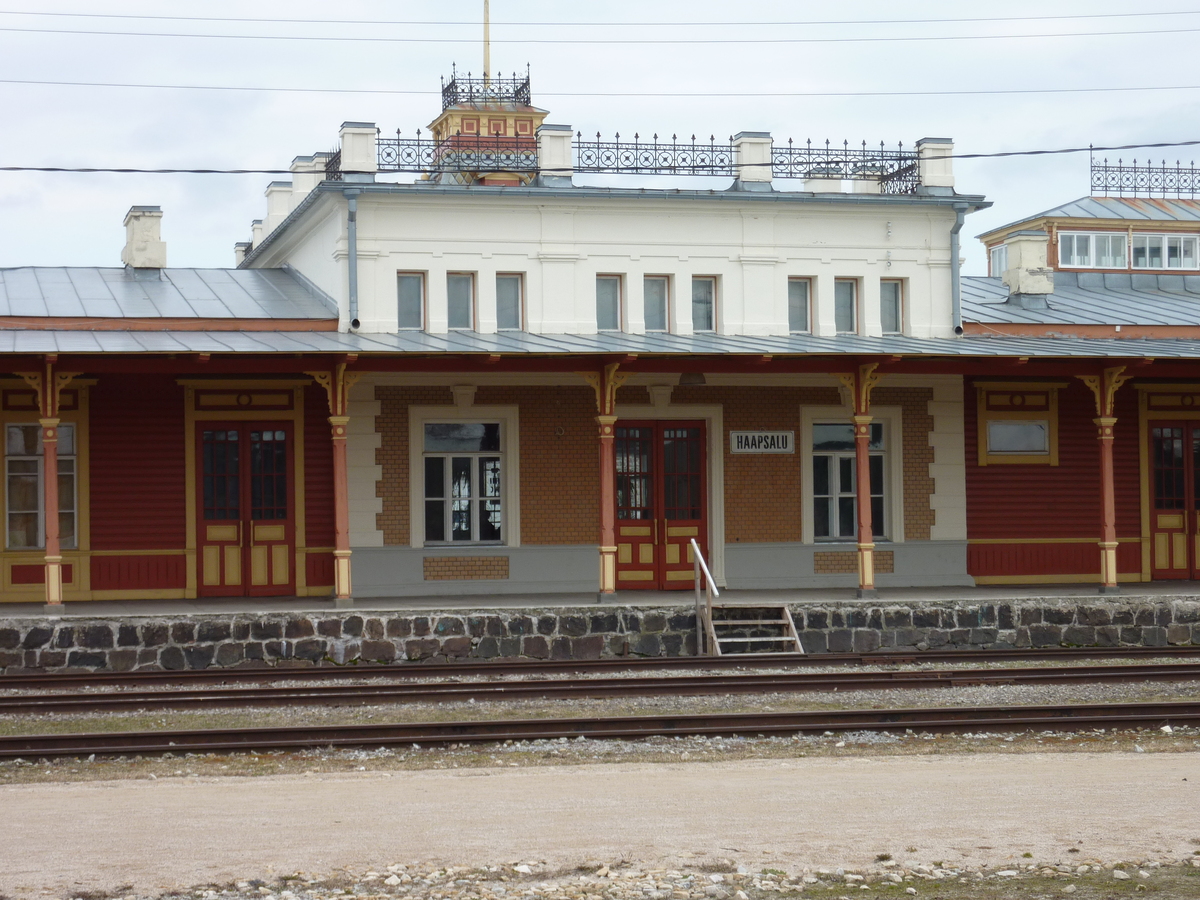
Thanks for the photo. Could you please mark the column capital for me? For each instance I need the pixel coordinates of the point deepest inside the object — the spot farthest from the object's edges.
(1105, 425)
(607, 426)
(338, 424)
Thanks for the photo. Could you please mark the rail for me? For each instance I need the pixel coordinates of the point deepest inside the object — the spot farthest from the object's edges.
(705, 633)
(1147, 179)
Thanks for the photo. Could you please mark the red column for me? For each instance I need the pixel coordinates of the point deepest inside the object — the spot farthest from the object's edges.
(54, 595)
(1108, 507)
(862, 490)
(341, 513)
(608, 505)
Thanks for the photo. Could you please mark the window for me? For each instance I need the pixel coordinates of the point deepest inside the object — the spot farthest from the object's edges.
(410, 294)
(460, 300)
(835, 502)
(704, 295)
(999, 260)
(798, 321)
(1163, 251)
(608, 302)
(24, 487)
(1018, 423)
(891, 306)
(508, 302)
(655, 292)
(462, 482)
(1101, 251)
(845, 306)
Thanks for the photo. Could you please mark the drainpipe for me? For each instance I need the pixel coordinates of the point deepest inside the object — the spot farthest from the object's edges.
(352, 240)
(960, 216)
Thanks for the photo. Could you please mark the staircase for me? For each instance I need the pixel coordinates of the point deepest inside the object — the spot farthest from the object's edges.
(726, 629)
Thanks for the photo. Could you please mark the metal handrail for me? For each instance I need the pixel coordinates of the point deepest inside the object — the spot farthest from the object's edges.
(703, 619)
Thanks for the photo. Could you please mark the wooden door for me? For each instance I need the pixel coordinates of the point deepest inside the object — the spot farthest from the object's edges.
(246, 528)
(1174, 456)
(661, 482)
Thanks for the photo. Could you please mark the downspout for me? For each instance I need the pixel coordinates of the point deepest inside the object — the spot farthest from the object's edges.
(960, 216)
(352, 242)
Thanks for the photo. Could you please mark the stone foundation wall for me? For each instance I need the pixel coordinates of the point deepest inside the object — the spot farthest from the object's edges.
(326, 638)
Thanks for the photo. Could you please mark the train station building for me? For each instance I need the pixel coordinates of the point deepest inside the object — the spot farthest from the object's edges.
(504, 378)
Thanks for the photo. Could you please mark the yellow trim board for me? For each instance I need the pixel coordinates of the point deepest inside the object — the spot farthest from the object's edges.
(1091, 578)
(1095, 540)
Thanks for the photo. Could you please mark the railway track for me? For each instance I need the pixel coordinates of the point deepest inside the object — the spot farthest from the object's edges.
(406, 671)
(992, 719)
(218, 696)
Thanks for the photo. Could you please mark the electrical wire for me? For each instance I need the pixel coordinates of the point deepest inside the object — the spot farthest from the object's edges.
(921, 38)
(137, 171)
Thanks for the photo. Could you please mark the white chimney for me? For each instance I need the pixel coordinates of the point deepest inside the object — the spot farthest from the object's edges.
(144, 248)
(1028, 277)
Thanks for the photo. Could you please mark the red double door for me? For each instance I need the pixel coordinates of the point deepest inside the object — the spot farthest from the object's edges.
(246, 533)
(662, 503)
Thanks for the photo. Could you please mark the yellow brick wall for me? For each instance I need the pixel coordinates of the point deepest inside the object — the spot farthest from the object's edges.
(843, 562)
(918, 486)
(464, 568)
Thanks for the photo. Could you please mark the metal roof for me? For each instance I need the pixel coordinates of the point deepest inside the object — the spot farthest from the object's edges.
(520, 343)
(1127, 208)
(1091, 298)
(161, 293)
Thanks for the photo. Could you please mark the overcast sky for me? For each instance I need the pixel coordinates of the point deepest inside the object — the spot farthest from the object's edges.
(75, 219)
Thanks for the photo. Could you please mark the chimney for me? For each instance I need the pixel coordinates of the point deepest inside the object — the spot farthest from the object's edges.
(144, 248)
(1028, 277)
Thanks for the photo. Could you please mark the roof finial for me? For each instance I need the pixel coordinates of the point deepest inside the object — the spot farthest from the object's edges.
(487, 42)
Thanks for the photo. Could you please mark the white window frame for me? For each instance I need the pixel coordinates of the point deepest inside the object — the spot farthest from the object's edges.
(424, 280)
(474, 279)
(808, 325)
(713, 280)
(510, 470)
(998, 260)
(620, 282)
(1163, 238)
(892, 418)
(666, 280)
(519, 277)
(835, 494)
(70, 544)
(1093, 258)
(901, 297)
(856, 325)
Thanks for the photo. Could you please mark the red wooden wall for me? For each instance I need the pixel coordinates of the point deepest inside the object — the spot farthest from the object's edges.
(137, 481)
(318, 486)
(1024, 502)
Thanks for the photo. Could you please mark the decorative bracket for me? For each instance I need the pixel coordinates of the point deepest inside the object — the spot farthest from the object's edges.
(860, 384)
(605, 385)
(48, 386)
(1104, 388)
(337, 386)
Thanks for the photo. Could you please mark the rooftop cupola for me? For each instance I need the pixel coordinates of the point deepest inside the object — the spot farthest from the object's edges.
(487, 130)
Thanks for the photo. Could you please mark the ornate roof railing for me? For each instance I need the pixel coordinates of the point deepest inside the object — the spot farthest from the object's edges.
(1148, 179)
(460, 153)
(895, 170)
(463, 89)
(654, 157)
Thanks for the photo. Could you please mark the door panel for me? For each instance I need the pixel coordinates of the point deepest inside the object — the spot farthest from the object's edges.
(246, 532)
(1175, 538)
(661, 484)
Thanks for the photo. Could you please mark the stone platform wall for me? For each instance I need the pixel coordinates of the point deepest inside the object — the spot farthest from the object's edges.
(327, 638)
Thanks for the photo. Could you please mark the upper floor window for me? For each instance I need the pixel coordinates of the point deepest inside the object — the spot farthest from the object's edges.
(460, 300)
(1164, 251)
(998, 257)
(656, 294)
(704, 302)
(24, 491)
(608, 302)
(891, 306)
(410, 295)
(508, 302)
(1101, 251)
(845, 306)
(798, 321)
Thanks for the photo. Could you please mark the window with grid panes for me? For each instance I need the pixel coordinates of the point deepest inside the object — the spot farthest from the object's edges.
(845, 306)
(508, 302)
(891, 307)
(24, 473)
(835, 501)
(798, 321)
(410, 300)
(462, 482)
(704, 303)
(655, 296)
(608, 302)
(460, 300)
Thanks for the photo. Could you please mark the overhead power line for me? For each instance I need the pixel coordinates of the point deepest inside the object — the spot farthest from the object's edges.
(88, 170)
(675, 24)
(893, 38)
(696, 94)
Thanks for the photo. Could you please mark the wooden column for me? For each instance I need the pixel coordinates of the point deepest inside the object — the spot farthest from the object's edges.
(54, 596)
(605, 384)
(1104, 388)
(860, 382)
(337, 384)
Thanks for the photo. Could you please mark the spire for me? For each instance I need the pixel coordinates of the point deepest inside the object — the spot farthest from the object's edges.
(487, 41)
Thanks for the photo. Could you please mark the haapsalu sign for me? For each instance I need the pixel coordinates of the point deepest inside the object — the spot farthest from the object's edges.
(762, 442)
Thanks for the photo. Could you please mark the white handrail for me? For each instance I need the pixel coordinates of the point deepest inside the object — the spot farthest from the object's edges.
(710, 591)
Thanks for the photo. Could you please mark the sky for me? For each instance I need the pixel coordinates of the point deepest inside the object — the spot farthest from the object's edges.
(595, 67)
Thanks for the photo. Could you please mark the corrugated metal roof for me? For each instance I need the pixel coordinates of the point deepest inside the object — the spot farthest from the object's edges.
(165, 293)
(520, 343)
(1091, 298)
(1129, 208)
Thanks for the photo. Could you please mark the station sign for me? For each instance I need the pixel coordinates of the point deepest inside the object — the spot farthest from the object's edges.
(762, 442)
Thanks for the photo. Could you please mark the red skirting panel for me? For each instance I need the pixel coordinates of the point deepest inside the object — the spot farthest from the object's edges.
(35, 574)
(1047, 559)
(319, 569)
(129, 573)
